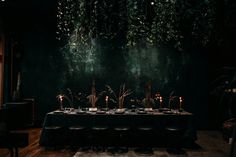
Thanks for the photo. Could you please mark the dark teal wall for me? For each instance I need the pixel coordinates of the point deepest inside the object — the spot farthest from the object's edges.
(45, 70)
(45, 75)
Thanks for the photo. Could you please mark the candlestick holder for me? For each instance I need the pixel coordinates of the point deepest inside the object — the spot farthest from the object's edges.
(181, 104)
(121, 102)
(106, 100)
(160, 99)
(60, 99)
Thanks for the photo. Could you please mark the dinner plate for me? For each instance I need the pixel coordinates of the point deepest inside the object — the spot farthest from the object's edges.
(119, 112)
(57, 112)
(168, 112)
(80, 112)
(93, 109)
(100, 112)
(148, 109)
(163, 109)
(142, 112)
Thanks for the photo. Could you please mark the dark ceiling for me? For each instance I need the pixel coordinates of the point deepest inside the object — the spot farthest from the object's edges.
(24, 15)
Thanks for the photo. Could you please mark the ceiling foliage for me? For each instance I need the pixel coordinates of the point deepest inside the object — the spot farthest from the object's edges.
(149, 22)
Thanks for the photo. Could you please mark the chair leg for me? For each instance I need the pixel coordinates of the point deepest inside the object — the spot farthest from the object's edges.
(11, 151)
(232, 146)
(16, 152)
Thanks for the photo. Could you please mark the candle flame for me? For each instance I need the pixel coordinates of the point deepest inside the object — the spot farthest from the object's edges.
(106, 98)
(160, 99)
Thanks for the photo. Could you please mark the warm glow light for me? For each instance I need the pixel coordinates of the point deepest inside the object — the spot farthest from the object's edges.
(152, 3)
(106, 99)
(60, 97)
(180, 103)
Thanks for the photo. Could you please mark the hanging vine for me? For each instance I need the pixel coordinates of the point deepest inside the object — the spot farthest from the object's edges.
(151, 21)
(138, 30)
(165, 25)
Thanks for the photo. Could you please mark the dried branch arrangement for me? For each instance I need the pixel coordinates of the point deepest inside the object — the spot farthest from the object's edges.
(122, 94)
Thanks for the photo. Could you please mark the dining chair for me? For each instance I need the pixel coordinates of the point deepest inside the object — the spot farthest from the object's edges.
(12, 140)
(144, 139)
(99, 137)
(120, 138)
(54, 135)
(77, 136)
(174, 138)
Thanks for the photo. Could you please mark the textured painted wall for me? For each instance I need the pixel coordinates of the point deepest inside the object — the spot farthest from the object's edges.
(48, 68)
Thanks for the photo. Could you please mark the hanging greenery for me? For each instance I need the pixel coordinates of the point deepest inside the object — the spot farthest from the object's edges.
(138, 31)
(165, 25)
(76, 31)
(152, 22)
(204, 22)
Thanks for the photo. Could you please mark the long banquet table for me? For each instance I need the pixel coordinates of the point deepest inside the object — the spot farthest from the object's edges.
(132, 118)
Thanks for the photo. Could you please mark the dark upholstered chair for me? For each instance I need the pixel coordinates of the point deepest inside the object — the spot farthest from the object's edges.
(12, 141)
(18, 115)
(144, 138)
(4, 138)
(78, 136)
(174, 139)
(99, 136)
(54, 134)
(120, 137)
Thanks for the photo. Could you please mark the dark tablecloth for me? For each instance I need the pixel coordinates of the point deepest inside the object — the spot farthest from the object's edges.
(157, 120)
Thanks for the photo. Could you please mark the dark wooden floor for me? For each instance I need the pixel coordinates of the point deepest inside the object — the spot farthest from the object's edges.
(211, 145)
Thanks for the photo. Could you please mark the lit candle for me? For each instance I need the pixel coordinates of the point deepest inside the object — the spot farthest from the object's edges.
(106, 100)
(180, 102)
(60, 99)
(157, 96)
(160, 101)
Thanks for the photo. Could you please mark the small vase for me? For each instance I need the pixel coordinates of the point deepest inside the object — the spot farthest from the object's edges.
(121, 102)
(61, 106)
